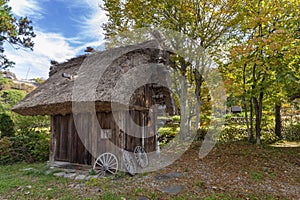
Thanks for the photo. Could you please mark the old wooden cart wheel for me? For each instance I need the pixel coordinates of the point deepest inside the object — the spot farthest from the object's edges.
(106, 162)
(129, 163)
(141, 156)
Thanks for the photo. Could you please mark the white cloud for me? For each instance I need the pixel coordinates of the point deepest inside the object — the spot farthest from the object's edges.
(54, 46)
(48, 46)
(90, 23)
(29, 8)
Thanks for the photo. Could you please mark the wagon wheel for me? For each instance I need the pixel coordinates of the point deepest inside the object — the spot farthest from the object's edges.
(141, 156)
(106, 162)
(129, 163)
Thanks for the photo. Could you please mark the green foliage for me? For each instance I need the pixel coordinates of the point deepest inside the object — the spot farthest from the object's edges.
(23, 138)
(262, 64)
(201, 132)
(167, 133)
(39, 81)
(176, 118)
(31, 122)
(268, 133)
(25, 146)
(4, 81)
(205, 119)
(228, 116)
(292, 133)
(233, 133)
(15, 31)
(8, 98)
(6, 126)
(92, 172)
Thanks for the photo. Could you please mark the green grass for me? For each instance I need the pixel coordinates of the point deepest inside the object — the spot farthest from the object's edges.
(256, 175)
(15, 183)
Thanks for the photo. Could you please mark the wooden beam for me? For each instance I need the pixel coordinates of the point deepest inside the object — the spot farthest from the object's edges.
(52, 141)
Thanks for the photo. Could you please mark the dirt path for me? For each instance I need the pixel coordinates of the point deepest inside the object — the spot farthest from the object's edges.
(237, 170)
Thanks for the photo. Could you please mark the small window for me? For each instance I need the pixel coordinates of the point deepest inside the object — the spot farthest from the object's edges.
(106, 134)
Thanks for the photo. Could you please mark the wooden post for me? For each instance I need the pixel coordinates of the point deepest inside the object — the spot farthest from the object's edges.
(94, 140)
(70, 137)
(52, 142)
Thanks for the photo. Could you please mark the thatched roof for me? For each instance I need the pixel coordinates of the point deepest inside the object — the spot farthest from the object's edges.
(101, 77)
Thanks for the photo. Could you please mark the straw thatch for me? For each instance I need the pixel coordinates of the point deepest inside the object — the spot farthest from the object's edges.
(101, 77)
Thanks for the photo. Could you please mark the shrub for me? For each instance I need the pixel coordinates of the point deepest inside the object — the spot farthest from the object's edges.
(268, 133)
(30, 147)
(292, 132)
(233, 133)
(201, 132)
(166, 134)
(5, 150)
(176, 118)
(205, 119)
(6, 126)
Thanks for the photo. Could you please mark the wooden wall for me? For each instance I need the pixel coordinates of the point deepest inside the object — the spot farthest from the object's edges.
(86, 141)
(78, 144)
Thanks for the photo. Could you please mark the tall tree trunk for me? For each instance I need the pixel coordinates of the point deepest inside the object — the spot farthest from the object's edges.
(257, 122)
(249, 127)
(251, 122)
(258, 102)
(183, 108)
(249, 130)
(258, 116)
(199, 81)
(278, 122)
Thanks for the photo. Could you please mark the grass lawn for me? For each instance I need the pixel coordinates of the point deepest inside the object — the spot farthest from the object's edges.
(231, 171)
(17, 183)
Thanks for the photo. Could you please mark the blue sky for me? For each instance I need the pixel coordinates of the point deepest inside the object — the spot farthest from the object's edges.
(64, 28)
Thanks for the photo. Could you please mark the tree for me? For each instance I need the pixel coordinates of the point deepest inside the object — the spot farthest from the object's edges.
(265, 51)
(8, 98)
(208, 22)
(39, 81)
(17, 32)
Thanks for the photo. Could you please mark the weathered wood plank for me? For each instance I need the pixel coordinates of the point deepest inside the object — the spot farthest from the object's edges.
(81, 140)
(57, 136)
(94, 137)
(99, 141)
(86, 134)
(63, 148)
(75, 141)
(52, 140)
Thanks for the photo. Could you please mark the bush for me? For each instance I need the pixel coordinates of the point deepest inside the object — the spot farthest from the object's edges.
(205, 119)
(201, 132)
(6, 126)
(233, 133)
(292, 133)
(176, 118)
(268, 133)
(166, 134)
(29, 147)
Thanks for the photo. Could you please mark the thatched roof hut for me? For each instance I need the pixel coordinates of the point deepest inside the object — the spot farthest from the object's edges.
(132, 79)
(54, 96)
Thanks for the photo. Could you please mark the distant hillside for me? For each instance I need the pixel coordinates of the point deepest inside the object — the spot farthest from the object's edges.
(8, 81)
